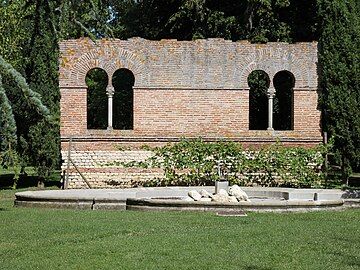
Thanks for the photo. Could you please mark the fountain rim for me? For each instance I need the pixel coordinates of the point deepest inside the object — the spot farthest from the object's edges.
(147, 198)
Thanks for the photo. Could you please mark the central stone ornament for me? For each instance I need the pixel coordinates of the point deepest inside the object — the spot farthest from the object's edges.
(233, 195)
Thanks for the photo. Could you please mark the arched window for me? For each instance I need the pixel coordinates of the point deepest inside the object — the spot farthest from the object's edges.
(284, 82)
(258, 82)
(123, 81)
(96, 80)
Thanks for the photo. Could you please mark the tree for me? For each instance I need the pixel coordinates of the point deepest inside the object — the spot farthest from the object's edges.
(256, 20)
(13, 35)
(30, 31)
(43, 137)
(9, 138)
(76, 18)
(339, 58)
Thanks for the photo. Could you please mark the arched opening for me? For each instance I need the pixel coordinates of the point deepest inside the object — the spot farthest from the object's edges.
(259, 83)
(96, 80)
(284, 82)
(123, 81)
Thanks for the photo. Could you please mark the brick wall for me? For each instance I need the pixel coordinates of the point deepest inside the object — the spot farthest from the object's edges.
(306, 113)
(73, 111)
(190, 112)
(187, 88)
(184, 89)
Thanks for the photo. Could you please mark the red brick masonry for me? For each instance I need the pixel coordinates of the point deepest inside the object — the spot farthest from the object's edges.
(186, 89)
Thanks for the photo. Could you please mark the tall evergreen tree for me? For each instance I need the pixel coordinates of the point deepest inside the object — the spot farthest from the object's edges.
(9, 138)
(43, 138)
(30, 31)
(339, 57)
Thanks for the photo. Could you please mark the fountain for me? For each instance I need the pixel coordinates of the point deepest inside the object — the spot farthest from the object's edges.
(177, 199)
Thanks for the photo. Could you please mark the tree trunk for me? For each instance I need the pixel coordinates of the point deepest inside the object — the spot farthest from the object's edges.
(41, 183)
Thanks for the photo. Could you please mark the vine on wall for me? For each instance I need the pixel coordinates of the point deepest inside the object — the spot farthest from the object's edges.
(195, 162)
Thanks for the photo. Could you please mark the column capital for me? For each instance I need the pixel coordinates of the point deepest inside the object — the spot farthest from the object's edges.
(271, 92)
(110, 91)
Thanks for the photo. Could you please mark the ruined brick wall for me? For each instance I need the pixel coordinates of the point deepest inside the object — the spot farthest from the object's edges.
(194, 88)
(186, 89)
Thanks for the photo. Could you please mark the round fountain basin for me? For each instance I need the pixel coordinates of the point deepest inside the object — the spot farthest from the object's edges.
(173, 198)
(259, 205)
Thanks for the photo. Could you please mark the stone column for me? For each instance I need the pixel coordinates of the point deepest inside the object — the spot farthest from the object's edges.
(110, 92)
(270, 94)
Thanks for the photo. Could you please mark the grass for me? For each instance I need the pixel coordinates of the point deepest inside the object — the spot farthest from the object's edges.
(67, 239)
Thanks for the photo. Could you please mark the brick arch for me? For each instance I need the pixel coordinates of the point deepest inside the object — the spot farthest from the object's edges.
(266, 60)
(109, 59)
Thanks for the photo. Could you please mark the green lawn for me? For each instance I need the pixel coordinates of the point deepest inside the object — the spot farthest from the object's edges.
(67, 239)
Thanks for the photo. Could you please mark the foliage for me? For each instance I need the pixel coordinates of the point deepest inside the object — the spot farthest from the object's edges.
(13, 37)
(200, 21)
(8, 139)
(258, 82)
(339, 57)
(142, 18)
(96, 80)
(283, 100)
(256, 20)
(43, 137)
(32, 98)
(287, 166)
(123, 81)
(9, 155)
(38, 126)
(195, 162)
(77, 19)
(31, 28)
(30, 31)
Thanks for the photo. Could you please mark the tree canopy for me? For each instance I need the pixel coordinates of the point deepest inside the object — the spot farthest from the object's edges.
(256, 20)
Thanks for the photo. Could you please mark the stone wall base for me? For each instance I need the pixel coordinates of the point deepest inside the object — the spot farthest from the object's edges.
(111, 180)
(105, 169)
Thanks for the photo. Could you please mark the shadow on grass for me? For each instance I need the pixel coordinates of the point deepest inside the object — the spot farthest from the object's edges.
(25, 181)
(348, 259)
(255, 267)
